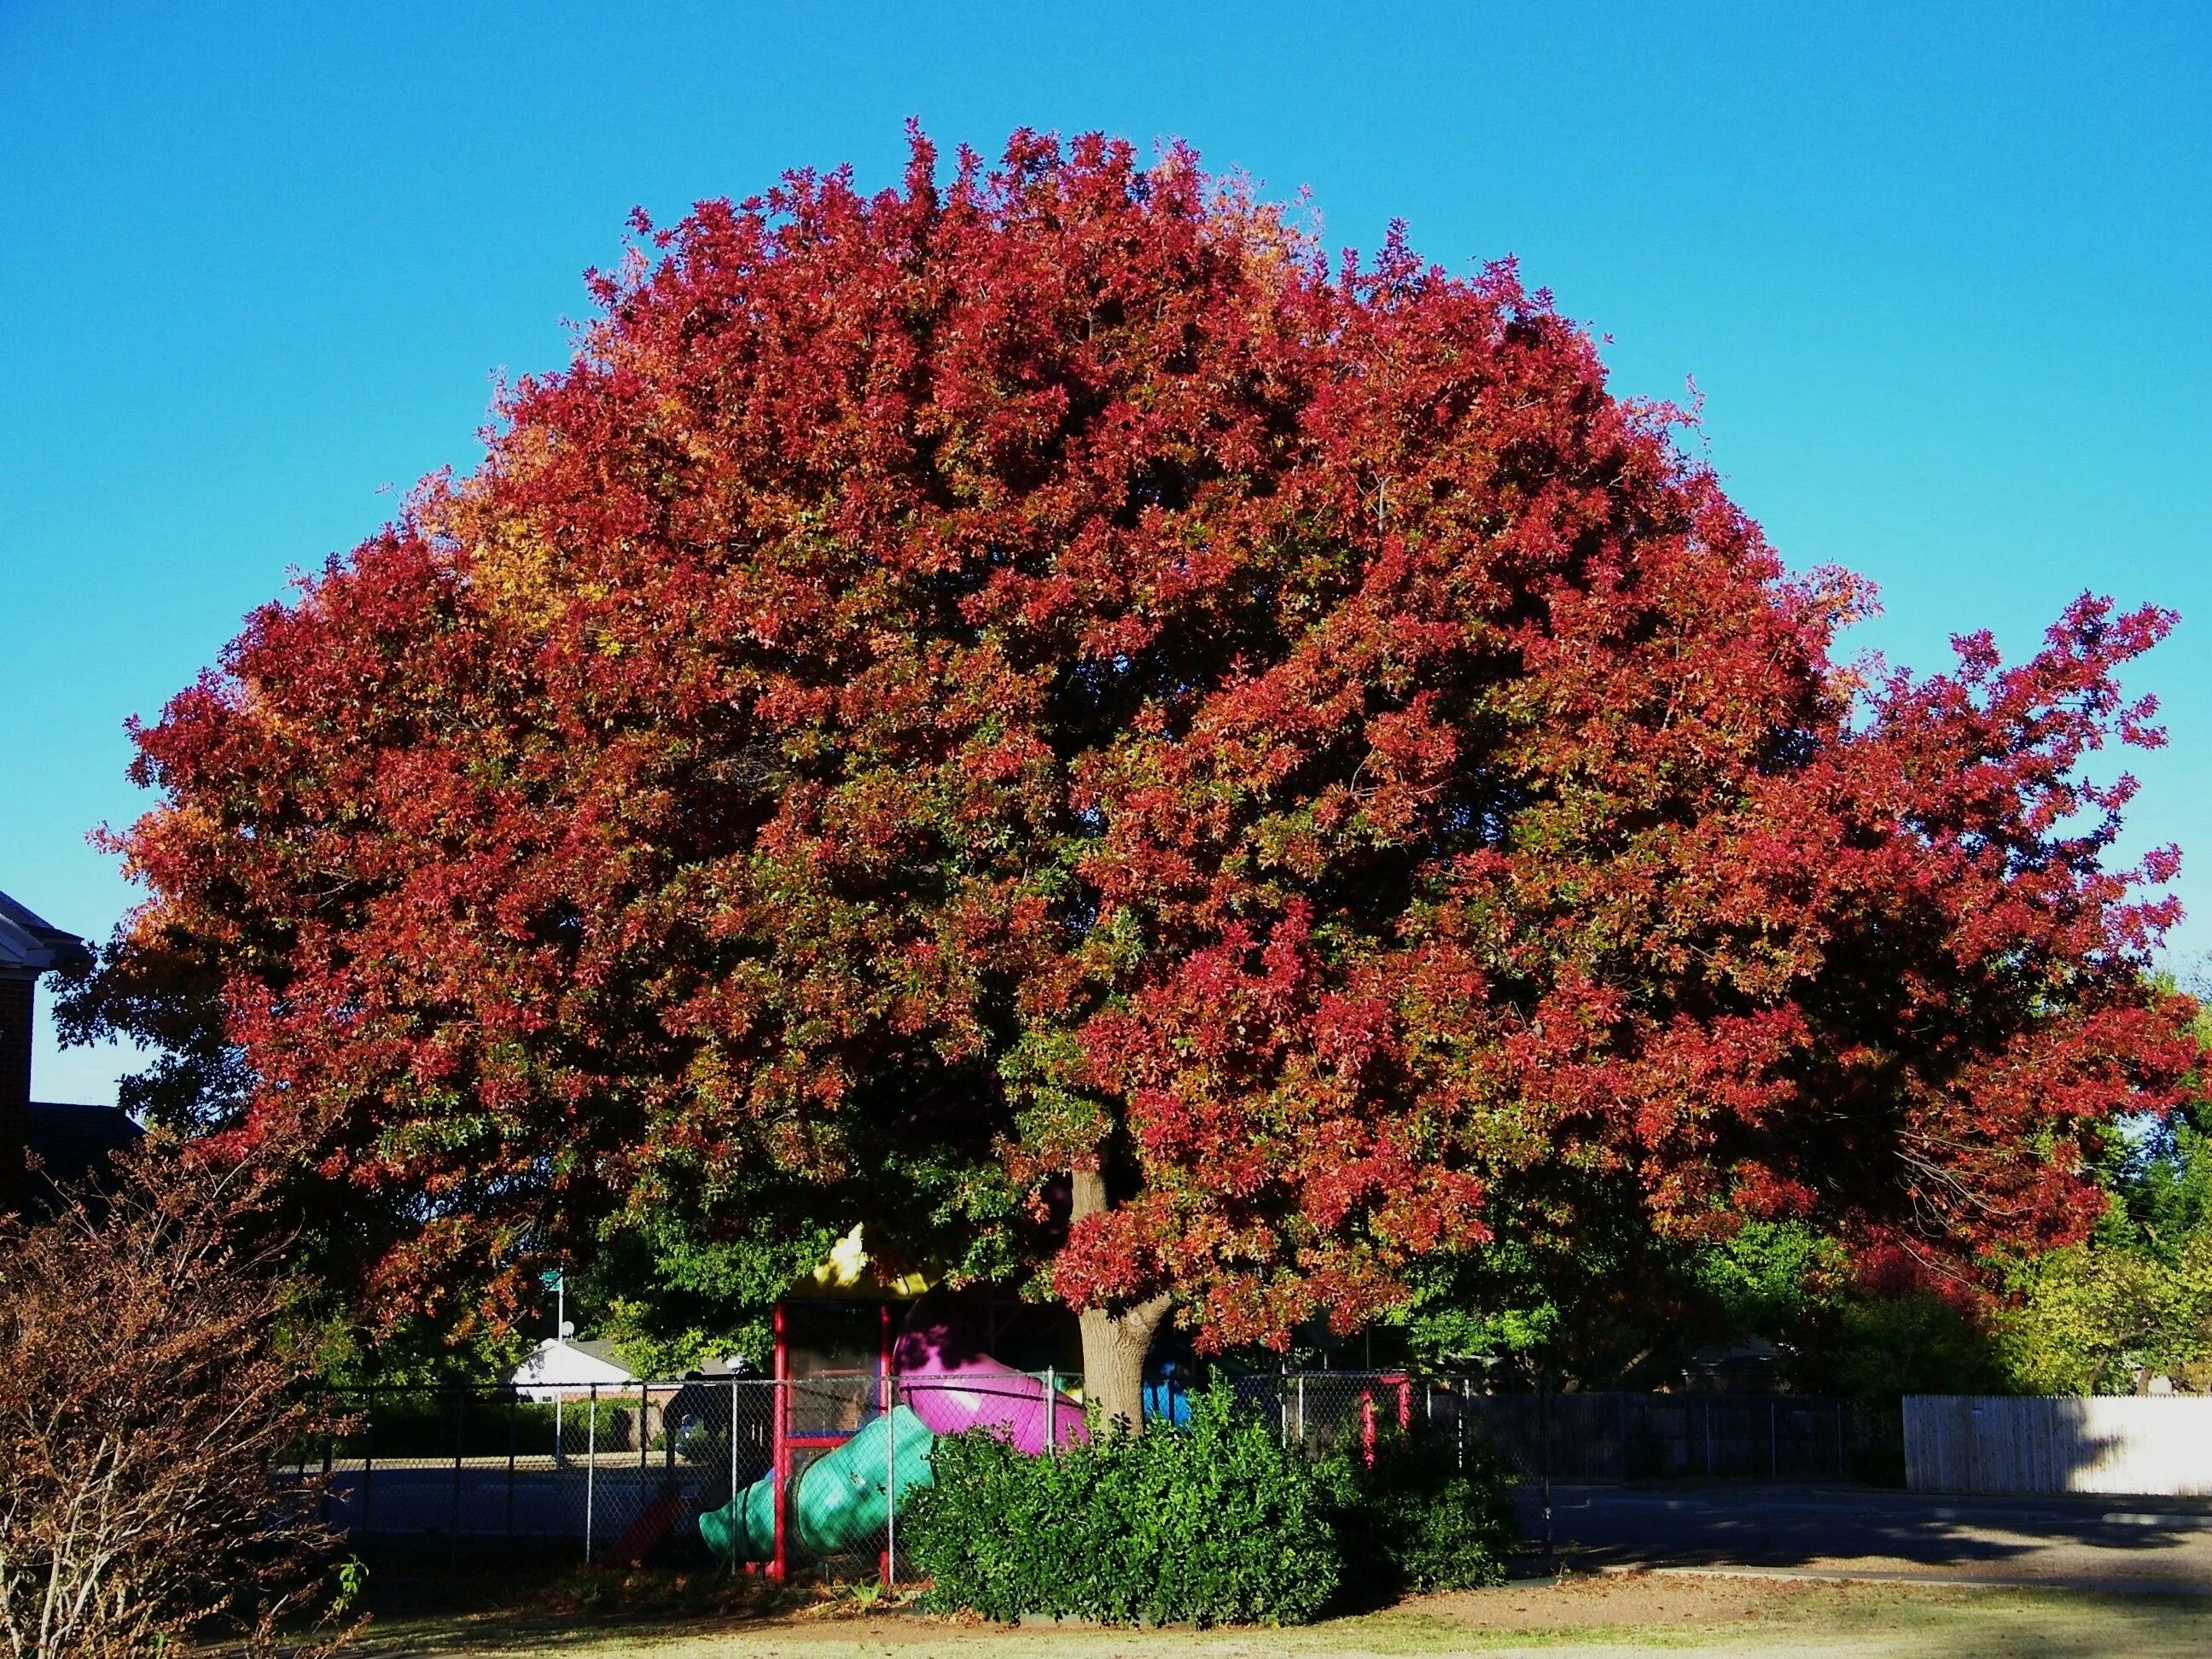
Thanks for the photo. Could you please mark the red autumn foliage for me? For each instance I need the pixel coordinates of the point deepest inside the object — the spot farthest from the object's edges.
(1285, 736)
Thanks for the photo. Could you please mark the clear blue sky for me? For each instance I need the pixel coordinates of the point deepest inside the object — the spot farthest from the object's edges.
(1943, 273)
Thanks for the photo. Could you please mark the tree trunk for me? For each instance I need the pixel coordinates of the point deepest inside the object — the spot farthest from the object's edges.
(1114, 1344)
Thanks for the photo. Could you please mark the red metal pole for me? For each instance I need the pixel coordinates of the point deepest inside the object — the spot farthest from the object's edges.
(780, 1417)
(884, 1390)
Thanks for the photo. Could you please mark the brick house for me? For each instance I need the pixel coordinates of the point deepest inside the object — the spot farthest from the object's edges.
(72, 1143)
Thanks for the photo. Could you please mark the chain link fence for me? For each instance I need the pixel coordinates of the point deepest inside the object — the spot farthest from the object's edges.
(614, 1470)
(751, 1471)
(1601, 1438)
(807, 1474)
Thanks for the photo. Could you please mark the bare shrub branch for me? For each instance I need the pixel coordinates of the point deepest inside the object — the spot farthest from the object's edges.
(150, 1408)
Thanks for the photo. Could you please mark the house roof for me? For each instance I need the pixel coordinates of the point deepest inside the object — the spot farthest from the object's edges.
(73, 1143)
(599, 1349)
(555, 1364)
(29, 943)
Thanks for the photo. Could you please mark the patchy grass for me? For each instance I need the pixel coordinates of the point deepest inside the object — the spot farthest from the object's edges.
(662, 1616)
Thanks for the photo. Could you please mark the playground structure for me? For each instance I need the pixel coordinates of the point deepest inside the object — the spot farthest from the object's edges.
(852, 1431)
(805, 1465)
(928, 1385)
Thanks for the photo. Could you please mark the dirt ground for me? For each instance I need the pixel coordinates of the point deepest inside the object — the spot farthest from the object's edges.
(1612, 1613)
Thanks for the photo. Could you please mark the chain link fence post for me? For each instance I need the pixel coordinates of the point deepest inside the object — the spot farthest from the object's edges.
(1544, 1441)
(591, 1468)
(460, 1430)
(891, 1484)
(368, 1453)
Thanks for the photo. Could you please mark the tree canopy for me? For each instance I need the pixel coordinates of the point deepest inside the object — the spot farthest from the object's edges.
(1038, 679)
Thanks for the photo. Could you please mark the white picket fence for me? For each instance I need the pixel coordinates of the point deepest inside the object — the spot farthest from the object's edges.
(2153, 1445)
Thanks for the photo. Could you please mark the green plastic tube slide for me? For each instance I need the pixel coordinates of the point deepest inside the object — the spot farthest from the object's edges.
(842, 1498)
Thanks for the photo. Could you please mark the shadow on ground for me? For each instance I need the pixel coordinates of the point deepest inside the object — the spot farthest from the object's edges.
(2094, 1543)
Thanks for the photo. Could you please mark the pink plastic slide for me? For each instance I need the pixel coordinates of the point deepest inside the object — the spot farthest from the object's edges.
(951, 1386)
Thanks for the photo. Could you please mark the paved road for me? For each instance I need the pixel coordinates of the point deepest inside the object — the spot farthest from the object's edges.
(483, 1499)
(2096, 1543)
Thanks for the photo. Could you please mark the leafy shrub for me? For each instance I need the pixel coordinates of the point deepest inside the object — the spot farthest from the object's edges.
(1914, 1343)
(1211, 1524)
(1418, 1520)
(149, 1392)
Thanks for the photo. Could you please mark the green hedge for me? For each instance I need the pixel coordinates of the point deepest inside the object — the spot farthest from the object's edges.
(1213, 1523)
(1424, 1517)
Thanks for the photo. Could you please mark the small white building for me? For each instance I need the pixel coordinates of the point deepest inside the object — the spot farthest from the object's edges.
(555, 1367)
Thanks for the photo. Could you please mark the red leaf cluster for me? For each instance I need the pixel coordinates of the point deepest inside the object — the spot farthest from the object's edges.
(1283, 735)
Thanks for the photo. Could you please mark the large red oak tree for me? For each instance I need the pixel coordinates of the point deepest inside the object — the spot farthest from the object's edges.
(1283, 764)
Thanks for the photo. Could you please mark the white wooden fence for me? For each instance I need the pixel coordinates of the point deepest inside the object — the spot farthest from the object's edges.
(2153, 1444)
